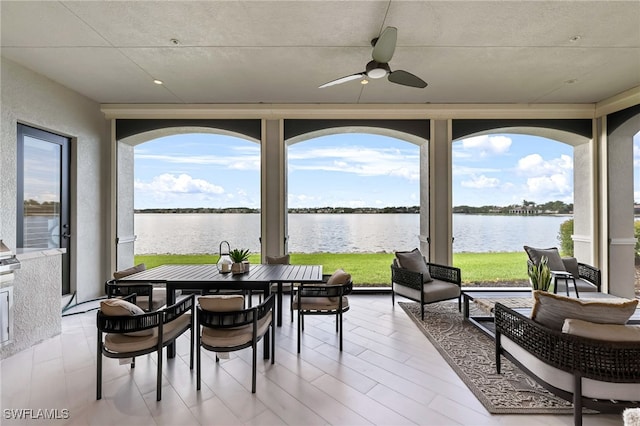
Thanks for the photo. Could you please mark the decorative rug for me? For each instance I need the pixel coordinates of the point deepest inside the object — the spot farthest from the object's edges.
(471, 354)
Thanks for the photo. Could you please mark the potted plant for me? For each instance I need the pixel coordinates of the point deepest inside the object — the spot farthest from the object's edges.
(238, 256)
(540, 274)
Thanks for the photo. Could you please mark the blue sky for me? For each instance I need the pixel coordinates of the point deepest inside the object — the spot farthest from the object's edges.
(351, 170)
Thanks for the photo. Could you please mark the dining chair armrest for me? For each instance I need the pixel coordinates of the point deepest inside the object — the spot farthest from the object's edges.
(128, 323)
(179, 308)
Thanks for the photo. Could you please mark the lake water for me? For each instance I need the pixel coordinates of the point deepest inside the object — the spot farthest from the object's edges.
(339, 233)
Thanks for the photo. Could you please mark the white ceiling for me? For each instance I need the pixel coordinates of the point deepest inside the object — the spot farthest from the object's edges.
(280, 52)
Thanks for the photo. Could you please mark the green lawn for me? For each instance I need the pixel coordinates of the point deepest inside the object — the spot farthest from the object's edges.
(373, 269)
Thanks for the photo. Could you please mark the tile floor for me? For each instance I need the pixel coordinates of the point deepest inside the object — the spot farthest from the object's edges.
(388, 374)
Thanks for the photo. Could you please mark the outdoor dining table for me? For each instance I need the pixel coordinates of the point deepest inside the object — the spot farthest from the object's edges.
(207, 277)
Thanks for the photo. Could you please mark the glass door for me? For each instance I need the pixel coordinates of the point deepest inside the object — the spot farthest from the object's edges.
(43, 194)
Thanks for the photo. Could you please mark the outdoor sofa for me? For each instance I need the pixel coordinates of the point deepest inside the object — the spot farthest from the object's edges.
(593, 365)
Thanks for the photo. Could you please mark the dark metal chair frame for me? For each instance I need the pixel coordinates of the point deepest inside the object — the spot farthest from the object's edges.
(586, 272)
(147, 321)
(113, 289)
(415, 280)
(228, 320)
(607, 361)
(320, 290)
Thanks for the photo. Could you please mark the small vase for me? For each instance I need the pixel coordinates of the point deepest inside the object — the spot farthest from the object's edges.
(237, 268)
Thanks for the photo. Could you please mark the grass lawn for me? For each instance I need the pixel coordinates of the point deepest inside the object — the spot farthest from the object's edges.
(373, 269)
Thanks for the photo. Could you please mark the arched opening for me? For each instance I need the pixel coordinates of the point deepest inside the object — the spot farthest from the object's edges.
(190, 188)
(353, 199)
(509, 190)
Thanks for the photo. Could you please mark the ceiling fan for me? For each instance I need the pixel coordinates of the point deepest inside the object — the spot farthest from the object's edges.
(383, 49)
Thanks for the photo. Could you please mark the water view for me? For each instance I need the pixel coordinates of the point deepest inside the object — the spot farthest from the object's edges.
(340, 233)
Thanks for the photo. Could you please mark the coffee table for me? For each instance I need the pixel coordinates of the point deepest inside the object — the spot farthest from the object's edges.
(485, 297)
(517, 298)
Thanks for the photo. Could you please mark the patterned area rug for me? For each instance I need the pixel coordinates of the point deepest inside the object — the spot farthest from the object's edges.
(471, 354)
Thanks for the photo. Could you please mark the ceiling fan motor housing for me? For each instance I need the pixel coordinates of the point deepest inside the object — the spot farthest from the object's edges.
(377, 70)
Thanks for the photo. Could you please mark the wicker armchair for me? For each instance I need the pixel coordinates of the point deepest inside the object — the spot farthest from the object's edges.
(446, 284)
(583, 277)
(596, 374)
(129, 336)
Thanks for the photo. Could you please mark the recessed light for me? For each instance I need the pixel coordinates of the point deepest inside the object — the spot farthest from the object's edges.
(575, 38)
(158, 82)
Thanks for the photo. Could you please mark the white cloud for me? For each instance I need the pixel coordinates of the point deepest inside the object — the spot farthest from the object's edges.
(242, 159)
(486, 145)
(357, 160)
(168, 183)
(547, 179)
(534, 165)
(481, 181)
(548, 186)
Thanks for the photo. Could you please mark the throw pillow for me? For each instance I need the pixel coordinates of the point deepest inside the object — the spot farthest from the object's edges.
(339, 277)
(129, 271)
(122, 308)
(608, 332)
(278, 260)
(554, 261)
(414, 261)
(222, 303)
(571, 265)
(119, 308)
(551, 310)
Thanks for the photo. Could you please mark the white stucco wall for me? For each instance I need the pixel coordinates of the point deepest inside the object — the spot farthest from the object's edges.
(32, 99)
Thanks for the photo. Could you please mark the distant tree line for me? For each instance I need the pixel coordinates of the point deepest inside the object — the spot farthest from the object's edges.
(551, 207)
(36, 208)
(413, 209)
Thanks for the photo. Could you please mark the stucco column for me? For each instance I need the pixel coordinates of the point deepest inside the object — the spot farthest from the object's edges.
(585, 202)
(439, 185)
(620, 215)
(273, 191)
(123, 200)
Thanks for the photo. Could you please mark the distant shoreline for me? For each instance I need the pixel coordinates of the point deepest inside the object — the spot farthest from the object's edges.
(333, 210)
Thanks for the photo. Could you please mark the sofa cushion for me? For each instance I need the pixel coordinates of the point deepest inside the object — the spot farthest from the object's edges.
(554, 261)
(551, 310)
(609, 332)
(414, 261)
(435, 291)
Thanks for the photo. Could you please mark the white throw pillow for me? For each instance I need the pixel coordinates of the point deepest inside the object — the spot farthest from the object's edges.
(608, 332)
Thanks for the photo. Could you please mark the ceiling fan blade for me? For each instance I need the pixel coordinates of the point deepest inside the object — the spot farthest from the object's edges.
(406, 79)
(385, 45)
(343, 80)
